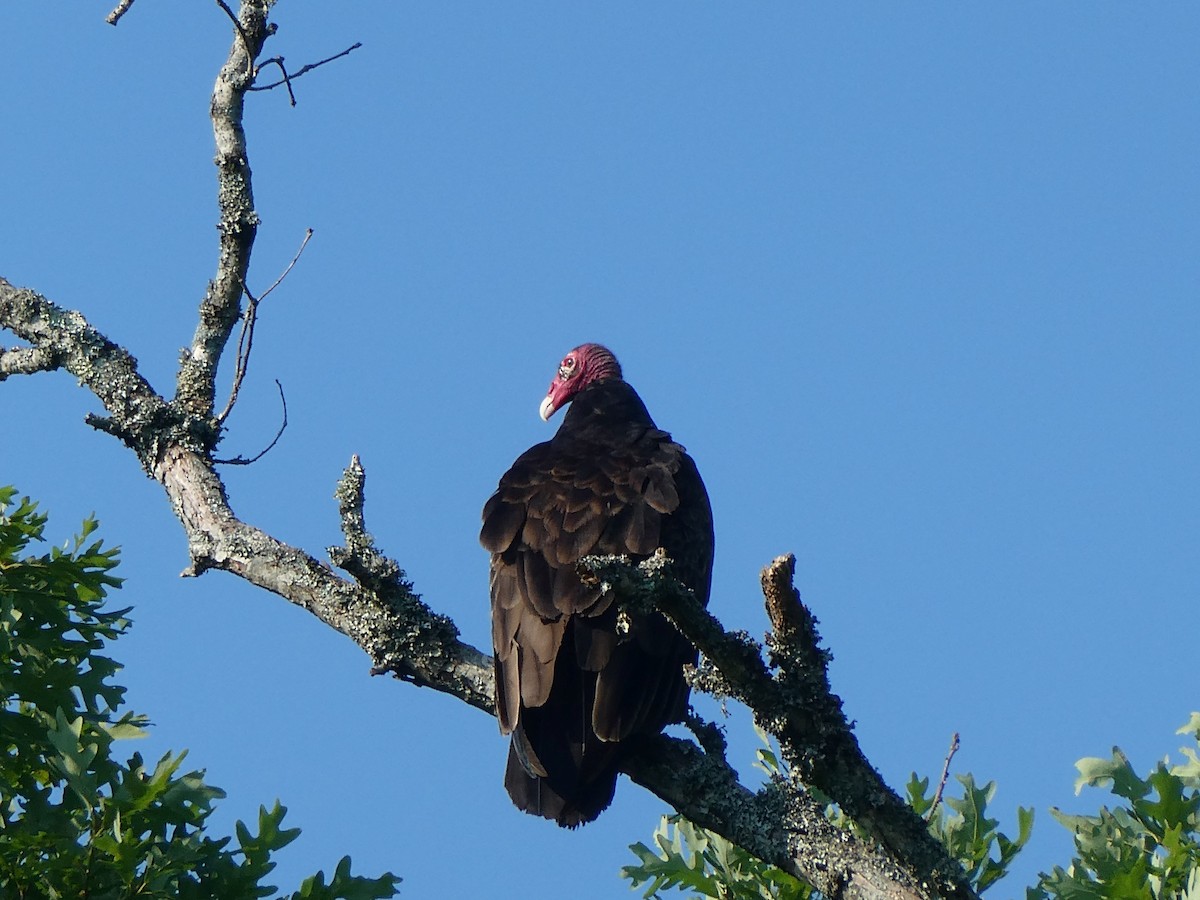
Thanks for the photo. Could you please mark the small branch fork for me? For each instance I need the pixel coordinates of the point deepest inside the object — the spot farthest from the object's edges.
(246, 338)
(288, 79)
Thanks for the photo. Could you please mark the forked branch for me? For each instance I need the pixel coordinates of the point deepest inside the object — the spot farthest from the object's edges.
(792, 700)
(246, 340)
(288, 79)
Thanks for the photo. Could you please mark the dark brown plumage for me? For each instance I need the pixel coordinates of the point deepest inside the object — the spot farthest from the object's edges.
(571, 691)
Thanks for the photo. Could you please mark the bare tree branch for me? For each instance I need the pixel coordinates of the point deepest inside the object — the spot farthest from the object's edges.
(426, 634)
(245, 345)
(137, 415)
(241, 460)
(115, 16)
(399, 632)
(308, 233)
(380, 612)
(794, 702)
(237, 25)
(246, 341)
(288, 79)
(937, 795)
(785, 827)
(221, 306)
(25, 361)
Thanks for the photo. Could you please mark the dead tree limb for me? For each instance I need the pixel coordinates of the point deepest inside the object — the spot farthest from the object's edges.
(238, 224)
(790, 696)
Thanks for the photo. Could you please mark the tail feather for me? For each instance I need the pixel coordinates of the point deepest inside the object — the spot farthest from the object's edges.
(571, 804)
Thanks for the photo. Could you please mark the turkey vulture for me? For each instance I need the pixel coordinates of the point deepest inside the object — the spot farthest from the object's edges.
(571, 689)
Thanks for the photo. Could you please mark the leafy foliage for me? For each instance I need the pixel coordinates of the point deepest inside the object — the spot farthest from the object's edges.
(968, 834)
(1145, 848)
(1148, 846)
(73, 821)
(690, 858)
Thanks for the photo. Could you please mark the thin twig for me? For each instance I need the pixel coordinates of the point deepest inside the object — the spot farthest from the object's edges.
(249, 319)
(937, 797)
(278, 60)
(287, 79)
(308, 233)
(245, 344)
(115, 16)
(241, 460)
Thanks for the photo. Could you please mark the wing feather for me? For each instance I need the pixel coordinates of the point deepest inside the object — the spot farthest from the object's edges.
(537, 678)
(534, 584)
(538, 637)
(594, 644)
(501, 522)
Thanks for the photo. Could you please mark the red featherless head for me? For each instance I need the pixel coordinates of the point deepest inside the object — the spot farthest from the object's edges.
(586, 364)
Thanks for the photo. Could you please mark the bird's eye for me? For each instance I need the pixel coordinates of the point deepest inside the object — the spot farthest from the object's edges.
(567, 367)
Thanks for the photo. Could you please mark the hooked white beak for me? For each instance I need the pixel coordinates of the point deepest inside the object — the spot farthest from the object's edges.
(546, 410)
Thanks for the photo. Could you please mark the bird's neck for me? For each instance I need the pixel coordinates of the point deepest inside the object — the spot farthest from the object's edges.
(604, 412)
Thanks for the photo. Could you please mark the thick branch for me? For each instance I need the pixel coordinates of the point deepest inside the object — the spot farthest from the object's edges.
(121, 8)
(400, 633)
(25, 361)
(62, 338)
(426, 649)
(824, 750)
(785, 827)
(221, 306)
(796, 705)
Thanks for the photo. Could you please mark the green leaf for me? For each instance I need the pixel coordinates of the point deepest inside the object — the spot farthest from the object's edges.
(915, 794)
(1095, 772)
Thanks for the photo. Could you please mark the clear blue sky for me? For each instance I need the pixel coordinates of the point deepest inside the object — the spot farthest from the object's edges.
(917, 285)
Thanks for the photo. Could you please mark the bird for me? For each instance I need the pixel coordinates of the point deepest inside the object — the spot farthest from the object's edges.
(575, 691)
